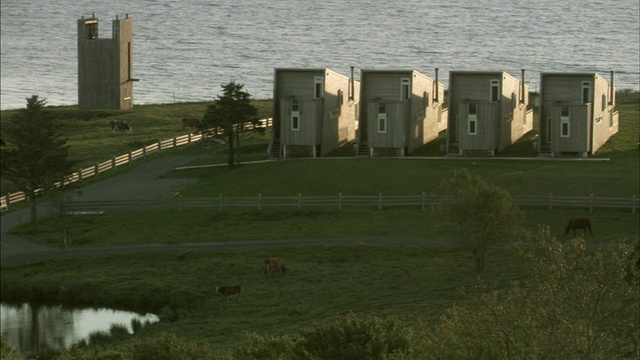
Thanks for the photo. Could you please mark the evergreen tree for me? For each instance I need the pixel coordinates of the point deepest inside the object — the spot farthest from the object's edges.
(229, 114)
(36, 155)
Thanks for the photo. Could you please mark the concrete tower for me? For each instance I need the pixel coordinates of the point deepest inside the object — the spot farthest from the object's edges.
(105, 66)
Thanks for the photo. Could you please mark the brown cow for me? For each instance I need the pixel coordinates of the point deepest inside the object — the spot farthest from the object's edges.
(578, 223)
(227, 291)
(273, 265)
(190, 122)
(120, 126)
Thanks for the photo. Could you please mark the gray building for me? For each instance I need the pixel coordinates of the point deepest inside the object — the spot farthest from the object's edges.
(577, 113)
(400, 111)
(105, 66)
(314, 112)
(488, 111)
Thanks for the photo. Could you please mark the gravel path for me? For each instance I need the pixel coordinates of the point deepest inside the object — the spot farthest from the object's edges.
(144, 182)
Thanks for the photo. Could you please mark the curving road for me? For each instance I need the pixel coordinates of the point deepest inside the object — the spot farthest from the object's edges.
(144, 182)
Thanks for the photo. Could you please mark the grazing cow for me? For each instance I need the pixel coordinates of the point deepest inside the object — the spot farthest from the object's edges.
(227, 291)
(120, 126)
(578, 223)
(190, 122)
(273, 265)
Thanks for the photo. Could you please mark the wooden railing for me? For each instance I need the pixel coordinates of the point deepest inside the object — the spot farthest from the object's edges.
(341, 201)
(82, 174)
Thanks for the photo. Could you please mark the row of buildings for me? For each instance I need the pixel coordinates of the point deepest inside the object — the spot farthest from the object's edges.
(387, 112)
(395, 112)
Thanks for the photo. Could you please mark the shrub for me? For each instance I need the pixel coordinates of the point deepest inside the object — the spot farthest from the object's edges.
(8, 352)
(353, 337)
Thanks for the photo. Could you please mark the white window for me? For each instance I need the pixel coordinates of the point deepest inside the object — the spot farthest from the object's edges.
(586, 92)
(494, 94)
(565, 121)
(604, 102)
(425, 99)
(318, 89)
(472, 119)
(405, 92)
(295, 115)
(382, 118)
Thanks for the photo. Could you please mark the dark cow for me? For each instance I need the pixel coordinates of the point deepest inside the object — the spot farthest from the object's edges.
(274, 265)
(190, 122)
(227, 291)
(120, 126)
(578, 223)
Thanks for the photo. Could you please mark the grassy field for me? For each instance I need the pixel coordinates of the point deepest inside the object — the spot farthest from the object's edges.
(413, 282)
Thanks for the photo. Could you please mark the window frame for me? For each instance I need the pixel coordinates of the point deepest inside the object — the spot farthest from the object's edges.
(318, 87)
(494, 88)
(295, 115)
(405, 89)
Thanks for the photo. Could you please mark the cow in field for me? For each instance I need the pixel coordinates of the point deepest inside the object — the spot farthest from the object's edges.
(190, 122)
(274, 265)
(578, 223)
(120, 126)
(227, 291)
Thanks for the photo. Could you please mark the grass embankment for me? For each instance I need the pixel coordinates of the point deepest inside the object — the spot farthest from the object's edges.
(416, 283)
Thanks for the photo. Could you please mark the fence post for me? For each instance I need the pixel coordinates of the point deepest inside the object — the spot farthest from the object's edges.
(144, 151)
(9, 199)
(130, 157)
(175, 142)
(339, 201)
(113, 162)
(591, 203)
(80, 174)
(299, 201)
(189, 139)
(549, 201)
(159, 145)
(259, 202)
(380, 201)
(97, 171)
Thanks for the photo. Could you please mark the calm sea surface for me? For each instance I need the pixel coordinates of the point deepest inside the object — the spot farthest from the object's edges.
(185, 49)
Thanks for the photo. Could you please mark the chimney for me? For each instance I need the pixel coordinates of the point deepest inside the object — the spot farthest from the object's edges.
(435, 96)
(351, 86)
(612, 90)
(522, 94)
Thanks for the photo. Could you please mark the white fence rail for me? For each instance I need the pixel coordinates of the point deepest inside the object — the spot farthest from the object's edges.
(340, 201)
(11, 198)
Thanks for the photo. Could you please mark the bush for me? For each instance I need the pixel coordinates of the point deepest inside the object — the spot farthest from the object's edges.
(346, 337)
(8, 352)
(162, 347)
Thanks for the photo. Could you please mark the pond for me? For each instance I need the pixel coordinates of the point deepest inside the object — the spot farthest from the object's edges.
(32, 328)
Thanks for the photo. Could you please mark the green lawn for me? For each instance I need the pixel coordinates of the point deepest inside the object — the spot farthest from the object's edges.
(415, 283)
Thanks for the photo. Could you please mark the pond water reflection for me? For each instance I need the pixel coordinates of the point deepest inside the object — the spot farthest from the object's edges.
(32, 328)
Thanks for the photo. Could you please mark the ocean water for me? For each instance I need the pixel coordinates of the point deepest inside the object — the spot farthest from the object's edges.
(185, 50)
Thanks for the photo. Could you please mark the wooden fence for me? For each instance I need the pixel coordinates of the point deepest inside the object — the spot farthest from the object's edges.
(81, 174)
(341, 201)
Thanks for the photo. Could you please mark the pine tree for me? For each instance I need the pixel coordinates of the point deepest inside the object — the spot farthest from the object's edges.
(36, 155)
(229, 114)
